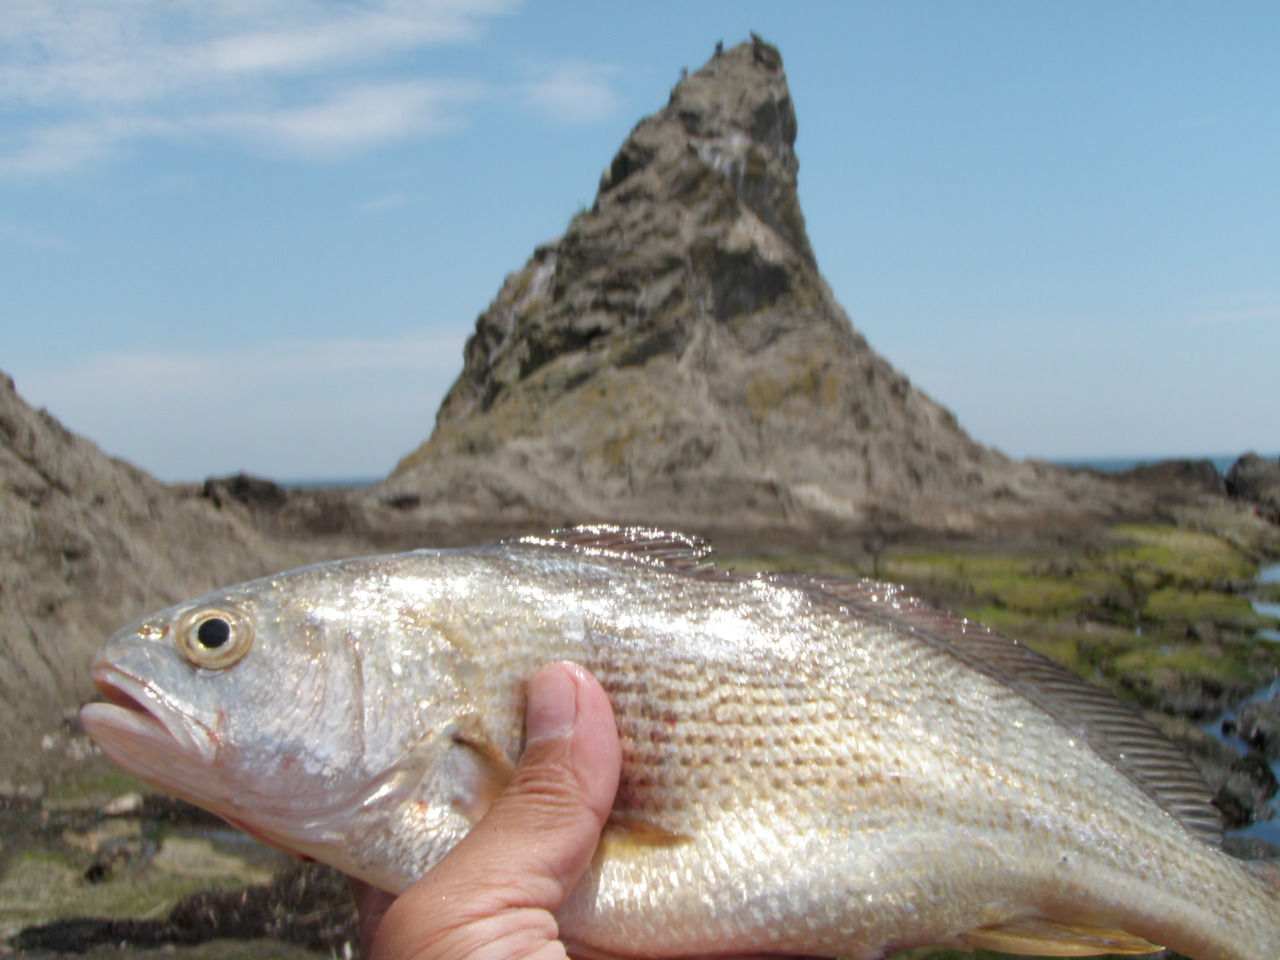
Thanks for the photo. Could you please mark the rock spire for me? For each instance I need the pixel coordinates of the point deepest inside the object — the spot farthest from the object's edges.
(677, 358)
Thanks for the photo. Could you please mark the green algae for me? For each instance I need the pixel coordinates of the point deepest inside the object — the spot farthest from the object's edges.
(1187, 556)
(54, 882)
(1231, 611)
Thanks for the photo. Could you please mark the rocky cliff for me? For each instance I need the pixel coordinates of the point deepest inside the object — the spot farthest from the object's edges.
(87, 544)
(676, 357)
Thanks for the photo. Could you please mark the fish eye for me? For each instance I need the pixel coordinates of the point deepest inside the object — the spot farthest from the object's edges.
(213, 633)
(214, 637)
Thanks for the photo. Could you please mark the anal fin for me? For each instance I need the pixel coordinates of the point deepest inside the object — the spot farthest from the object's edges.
(1048, 938)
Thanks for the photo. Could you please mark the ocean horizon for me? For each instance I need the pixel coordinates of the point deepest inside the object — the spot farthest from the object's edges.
(1101, 464)
(1119, 464)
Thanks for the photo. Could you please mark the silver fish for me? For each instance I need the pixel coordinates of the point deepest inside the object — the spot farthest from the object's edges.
(812, 765)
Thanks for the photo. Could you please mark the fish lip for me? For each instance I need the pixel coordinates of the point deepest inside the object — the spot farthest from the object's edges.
(134, 707)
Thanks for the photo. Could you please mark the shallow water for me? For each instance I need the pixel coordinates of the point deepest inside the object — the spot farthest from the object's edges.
(1268, 830)
(1269, 574)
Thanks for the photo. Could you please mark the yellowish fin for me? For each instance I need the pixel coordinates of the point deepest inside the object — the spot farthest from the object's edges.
(623, 830)
(1048, 938)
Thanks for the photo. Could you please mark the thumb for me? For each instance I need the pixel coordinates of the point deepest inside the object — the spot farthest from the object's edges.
(492, 897)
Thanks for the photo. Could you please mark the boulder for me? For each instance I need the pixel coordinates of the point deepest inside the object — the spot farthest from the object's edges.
(1259, 726)
(1190, 476)
(256, 493)
(1256, 480)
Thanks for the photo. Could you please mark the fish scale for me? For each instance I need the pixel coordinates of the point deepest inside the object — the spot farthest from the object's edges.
(810, 765)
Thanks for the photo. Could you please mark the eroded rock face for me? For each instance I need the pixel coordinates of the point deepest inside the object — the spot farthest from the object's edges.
(677, 358)
(1259, 726)
(1256, 480)
(87, 544)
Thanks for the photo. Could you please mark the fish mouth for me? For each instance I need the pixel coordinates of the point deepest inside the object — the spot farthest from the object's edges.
(162, 744)
(157, 740)
(136, 726)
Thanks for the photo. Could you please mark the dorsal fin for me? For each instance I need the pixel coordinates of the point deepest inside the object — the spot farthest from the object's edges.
(678, 551)
(1133, 746)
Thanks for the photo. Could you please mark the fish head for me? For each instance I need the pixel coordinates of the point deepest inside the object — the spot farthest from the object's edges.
(281, 705)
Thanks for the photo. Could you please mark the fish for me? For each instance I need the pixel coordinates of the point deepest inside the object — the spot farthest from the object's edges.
(812, 765)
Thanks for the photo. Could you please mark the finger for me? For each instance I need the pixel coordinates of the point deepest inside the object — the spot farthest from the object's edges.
(560, 794)
(494, 894)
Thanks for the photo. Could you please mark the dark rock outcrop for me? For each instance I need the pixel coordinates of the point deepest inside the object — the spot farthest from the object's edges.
(1188, 476)
(256, 493)
(1259, 726)
(1242, 785)
(677, 358)
(1256, 480)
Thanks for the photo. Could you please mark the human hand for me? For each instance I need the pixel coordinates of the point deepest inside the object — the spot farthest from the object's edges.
(493, 897)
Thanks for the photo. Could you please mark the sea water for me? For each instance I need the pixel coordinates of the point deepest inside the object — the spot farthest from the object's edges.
(1269, 829)
(1269, 574)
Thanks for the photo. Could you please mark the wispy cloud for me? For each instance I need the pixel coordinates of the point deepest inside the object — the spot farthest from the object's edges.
(352, 120)
(385, 202)
(82, 79)
(573, 92)
(61, 147)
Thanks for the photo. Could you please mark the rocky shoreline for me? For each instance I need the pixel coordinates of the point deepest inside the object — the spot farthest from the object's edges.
(105, 832)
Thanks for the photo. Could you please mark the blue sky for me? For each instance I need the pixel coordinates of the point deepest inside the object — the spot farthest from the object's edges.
(248, 236)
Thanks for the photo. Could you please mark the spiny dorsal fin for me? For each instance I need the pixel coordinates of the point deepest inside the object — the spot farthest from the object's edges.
(647, 544)
(1136, 748)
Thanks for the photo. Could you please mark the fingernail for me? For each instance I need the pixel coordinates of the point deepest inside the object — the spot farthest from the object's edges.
(552, 706)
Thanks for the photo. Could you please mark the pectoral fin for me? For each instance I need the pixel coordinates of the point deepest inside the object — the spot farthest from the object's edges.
(1048, 938)
(481, 770)
(624, 830)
